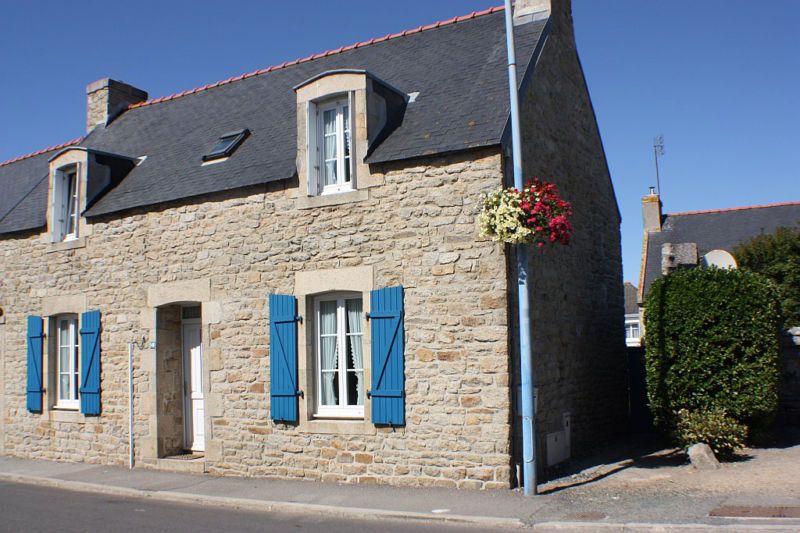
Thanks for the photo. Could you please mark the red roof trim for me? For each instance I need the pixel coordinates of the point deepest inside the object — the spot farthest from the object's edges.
(781, 204)
(42, 151)
(339, 50)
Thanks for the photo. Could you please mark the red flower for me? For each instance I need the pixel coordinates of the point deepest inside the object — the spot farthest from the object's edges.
(544, 210)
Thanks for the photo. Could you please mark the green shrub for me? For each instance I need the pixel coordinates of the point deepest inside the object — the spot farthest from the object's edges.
(711, 339)
(714, 427)
(777, 256)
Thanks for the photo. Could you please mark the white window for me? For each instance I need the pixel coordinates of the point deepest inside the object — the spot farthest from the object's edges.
(67, 370)
(340, 356)
(633, 331)
(65, 204)
(333, 168)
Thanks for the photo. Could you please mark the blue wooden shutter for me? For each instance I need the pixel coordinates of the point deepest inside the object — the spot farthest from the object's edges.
(388, 343)
(283, 391)
(34, 388)
(90, 363)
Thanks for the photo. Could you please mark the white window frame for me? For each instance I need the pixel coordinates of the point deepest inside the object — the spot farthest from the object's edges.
(340, 411)
(63, 200)
(343, 106)
(70, 323)
(629, 324)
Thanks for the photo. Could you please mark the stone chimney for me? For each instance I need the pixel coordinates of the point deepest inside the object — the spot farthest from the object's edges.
(678, 255)
(107, 98)
(651, 212)
(530, 10)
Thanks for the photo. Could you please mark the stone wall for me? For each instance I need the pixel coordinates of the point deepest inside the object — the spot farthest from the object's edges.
(577, 303)
(417, 229)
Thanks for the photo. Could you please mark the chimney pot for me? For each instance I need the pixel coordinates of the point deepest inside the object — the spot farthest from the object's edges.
(106, 99)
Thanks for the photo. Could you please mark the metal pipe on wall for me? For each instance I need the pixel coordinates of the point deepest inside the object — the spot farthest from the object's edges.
(131, 346)
(525, 355)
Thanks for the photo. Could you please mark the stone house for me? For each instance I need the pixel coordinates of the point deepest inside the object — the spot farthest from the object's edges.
(708, 238)
(290, 261)
(704, 238)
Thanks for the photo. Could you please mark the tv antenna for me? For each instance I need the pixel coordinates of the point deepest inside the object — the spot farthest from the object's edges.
(658, 149)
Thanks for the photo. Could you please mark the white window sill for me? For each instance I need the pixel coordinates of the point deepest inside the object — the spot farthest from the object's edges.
(71, 244)
(327, 191)
(331, 199)
(339, 416)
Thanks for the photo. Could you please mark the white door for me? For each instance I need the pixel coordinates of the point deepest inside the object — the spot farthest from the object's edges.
(194, 405)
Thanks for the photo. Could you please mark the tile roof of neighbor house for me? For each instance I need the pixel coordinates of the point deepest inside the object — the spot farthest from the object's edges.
(458, 67)
(631, 298)
(719, 229)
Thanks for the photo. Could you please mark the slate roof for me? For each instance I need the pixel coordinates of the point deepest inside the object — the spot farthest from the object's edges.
(458, 67)
(23, 182)
(631, 298)
(716, 230)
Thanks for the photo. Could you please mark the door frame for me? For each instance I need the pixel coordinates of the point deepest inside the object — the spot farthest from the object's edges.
(186, 363)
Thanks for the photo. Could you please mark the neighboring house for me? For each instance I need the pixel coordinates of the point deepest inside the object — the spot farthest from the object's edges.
(703, 237)
(706, 238)
(633, 329)
(291, 258)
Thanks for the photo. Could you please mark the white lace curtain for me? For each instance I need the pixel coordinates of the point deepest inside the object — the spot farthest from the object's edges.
(329, 355)
(356, 346)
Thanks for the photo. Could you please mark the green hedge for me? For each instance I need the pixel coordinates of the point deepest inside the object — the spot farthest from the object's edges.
(777, 256)
(712, 343)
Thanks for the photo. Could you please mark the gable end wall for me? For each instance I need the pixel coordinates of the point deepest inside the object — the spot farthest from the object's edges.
(577, 303)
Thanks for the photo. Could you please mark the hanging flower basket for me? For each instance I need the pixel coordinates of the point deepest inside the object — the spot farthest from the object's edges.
(535, 215)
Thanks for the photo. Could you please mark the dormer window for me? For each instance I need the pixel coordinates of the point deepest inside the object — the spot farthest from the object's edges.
(342, 115)
(334, 147)
(66, 196)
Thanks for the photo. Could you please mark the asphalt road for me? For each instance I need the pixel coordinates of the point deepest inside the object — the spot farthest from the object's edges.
(30, 508)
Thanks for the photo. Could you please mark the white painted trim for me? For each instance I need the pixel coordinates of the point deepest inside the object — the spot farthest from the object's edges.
(338, 105)
(340, 411)
(73, 372)
(61, 203)
(189, 432)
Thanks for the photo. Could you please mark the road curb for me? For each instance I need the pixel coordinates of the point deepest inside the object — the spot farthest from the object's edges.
(262, 505)
(631, 527)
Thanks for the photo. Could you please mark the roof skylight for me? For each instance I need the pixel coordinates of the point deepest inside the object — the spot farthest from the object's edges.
(226, 144)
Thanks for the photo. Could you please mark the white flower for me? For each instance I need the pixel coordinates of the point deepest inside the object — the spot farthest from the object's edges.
(501, 217)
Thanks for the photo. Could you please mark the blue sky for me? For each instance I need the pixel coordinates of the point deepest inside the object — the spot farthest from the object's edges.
(719, 78)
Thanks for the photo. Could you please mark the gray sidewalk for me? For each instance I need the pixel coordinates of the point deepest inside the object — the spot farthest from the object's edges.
(580, 508)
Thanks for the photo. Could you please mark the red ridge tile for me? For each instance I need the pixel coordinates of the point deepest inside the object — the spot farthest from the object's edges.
(42, 151)
(727, 209)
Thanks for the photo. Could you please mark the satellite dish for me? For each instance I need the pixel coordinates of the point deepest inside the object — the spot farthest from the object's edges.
(719, 259)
